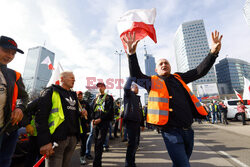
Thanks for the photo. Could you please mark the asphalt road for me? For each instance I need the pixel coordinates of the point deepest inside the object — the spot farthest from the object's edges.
(215, 145)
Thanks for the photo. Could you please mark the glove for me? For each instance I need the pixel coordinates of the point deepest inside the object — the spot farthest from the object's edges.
(30, 129)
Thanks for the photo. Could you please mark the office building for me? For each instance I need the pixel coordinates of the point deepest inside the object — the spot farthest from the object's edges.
(37, 75)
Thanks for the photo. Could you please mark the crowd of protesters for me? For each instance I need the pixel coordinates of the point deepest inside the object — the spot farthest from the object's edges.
(60, 117)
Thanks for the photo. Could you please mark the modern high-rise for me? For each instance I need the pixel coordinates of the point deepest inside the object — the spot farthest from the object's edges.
(37, 75)
(191, 47)
(149, 68)
(230, 73)
(149, 64)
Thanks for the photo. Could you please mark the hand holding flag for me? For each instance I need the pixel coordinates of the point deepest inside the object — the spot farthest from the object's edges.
(140, 23)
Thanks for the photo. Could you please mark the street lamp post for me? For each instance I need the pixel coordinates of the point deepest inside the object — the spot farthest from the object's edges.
(119, 53)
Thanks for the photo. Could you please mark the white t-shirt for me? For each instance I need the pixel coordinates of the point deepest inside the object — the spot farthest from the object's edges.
(3, 96)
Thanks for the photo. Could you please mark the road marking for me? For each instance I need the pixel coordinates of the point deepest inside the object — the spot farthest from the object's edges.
(234, 159)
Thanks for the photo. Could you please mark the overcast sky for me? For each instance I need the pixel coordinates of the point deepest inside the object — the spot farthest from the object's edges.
(84, 37)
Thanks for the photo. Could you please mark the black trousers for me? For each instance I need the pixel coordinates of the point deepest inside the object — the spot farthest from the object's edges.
(84, 138)
(243, 114)
(33, 154)
(100, 133)
(224, 117)
(133, 130)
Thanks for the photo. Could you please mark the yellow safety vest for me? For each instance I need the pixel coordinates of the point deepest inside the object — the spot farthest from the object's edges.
(56, 116)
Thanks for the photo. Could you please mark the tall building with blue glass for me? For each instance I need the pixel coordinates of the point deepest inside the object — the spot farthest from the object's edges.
(149, 64)
(149, 68)
(37, 75)
(191, 47)
(230, 73)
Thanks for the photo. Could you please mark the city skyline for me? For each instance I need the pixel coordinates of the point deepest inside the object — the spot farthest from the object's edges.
(83, 34)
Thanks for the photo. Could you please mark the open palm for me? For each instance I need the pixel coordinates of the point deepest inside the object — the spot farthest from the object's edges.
(216, 42)
(131, 43)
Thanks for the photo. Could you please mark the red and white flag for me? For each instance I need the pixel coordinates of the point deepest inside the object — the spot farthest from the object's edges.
(238, 95)
(55, 78)
(140, 21)
(48, 62)
(246, 92)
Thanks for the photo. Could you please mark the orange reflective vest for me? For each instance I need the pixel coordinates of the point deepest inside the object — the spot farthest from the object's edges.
(158, 101)
(15, 92)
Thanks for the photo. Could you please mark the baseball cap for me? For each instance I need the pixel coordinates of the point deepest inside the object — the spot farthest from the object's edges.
(9, 43)
(100, 84)
(78, 92)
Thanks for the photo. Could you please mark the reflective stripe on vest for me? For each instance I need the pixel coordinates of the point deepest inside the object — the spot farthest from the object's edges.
(194, 99)
(158, 102)
(15, 92)
(99, 103)
(159, 112)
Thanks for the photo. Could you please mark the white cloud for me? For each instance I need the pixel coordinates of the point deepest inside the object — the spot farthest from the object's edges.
(92, 52)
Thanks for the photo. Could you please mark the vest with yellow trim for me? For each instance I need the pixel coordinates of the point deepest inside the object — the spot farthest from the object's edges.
(56, 116)
(158, 101)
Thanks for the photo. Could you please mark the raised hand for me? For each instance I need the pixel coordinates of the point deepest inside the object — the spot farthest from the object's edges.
(131, 43)
(216, 42)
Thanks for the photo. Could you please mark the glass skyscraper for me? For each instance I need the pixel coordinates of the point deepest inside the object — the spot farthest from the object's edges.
(149, 64)
(230, 72)
(149, 69)
(37, 75)
(191, 47)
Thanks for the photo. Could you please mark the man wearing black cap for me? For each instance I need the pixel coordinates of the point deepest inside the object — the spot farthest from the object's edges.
(13, 100)
(102, 115)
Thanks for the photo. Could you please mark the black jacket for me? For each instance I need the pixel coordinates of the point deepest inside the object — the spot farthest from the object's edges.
(32, 110)
(69, 127)
(132, 105)
(183, 108)
(22, 99)
(108, 107)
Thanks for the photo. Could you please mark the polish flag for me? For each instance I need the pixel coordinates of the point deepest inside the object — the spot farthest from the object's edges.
(246, 92)
(140, 21)
(238, 95)
(48, 62)
(55, 78)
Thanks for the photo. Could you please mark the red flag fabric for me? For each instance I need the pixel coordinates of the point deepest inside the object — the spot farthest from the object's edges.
(55, 78)
(140, 21)
(238, 95)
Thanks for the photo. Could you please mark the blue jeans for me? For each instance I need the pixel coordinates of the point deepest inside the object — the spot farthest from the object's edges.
(89, 140)
(8, 147)
(179, 143)
(214, 117)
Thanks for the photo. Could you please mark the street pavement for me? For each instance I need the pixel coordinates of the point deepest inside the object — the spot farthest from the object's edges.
(215, 145)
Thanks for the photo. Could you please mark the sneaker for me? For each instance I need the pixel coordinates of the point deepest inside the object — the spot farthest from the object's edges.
(89, 157)
(105, 149)
(83, 161)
